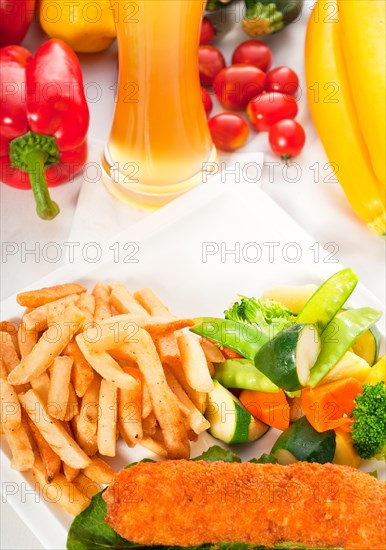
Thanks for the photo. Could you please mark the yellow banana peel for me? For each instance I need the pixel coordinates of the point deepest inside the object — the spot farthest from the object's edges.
(87, 27)
(334, 113)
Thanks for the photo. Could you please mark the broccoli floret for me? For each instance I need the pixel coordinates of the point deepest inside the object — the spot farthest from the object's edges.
(369, 426)
(252, 311)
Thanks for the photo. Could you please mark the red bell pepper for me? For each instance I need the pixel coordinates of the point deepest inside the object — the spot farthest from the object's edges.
(15, 19)
(43, 120)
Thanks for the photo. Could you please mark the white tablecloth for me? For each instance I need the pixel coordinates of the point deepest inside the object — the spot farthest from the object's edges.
(31, 248)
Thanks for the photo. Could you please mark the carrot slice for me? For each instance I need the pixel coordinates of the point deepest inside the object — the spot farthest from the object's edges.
(271, 408)
(329, 406)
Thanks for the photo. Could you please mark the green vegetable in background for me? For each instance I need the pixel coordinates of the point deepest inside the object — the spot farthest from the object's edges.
(213, 5)
(249, 324)
(339, 335)
(241, 373)
(267, 17)
(369, 426)
(329, 299)
(260, 312)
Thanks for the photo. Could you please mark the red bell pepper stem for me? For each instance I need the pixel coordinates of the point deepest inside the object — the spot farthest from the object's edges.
(33, 153)
(46, 208)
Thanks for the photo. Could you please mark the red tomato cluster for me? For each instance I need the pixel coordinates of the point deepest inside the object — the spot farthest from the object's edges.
(267, 95)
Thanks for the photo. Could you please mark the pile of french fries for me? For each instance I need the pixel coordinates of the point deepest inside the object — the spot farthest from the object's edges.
(83, 369)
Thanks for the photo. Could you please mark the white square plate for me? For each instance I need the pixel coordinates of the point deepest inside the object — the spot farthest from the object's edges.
(197, 253)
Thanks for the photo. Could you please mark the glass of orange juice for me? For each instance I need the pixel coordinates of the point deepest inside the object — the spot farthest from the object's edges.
(159, 144)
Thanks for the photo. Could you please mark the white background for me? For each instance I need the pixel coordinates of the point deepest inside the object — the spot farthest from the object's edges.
(319, 207)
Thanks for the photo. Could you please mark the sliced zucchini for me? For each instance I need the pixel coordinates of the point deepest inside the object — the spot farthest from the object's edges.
(293, 297)
(377, 372)
(229, 421)
(304, 443)
(367, 345)
(325, 303)
(288, 358)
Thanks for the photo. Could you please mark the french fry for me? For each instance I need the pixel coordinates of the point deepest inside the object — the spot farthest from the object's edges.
(163, 400)
(122, 329)
(210, 368)
(107, 425)
(22, 454)
(60, 491)
(197, 422)
(152, 304)
(36, 298)
(147, 407)
(7, 326)
(41, 386)
(99, 471)
(82, 372)
(53, 431)
(69, 472)
(86, 304)
(36, 320)
(72, 404)
(154, 446)
(10, 412)
(194, 363)
(124, 302)
(86, 486)
(51, 461)
(55, 314)
(197, 397)
(102, 310)
(59, 390)
(9, 358)
(105, 365)
(47, 348)
(85, 424)
(212, 352)
(27, 339)
(166, 344)
(8, 353)
(130, 410)
(149, 425)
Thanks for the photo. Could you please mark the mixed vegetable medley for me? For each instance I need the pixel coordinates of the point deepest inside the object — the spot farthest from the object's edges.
(301, 360)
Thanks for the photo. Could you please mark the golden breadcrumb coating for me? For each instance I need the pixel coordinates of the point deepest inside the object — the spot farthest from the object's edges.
(187, 503)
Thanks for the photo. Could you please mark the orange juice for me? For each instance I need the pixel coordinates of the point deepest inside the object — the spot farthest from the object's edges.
(159, 140)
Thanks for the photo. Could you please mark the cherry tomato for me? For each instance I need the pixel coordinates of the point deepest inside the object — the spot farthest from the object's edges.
(207, 101)
(208, 32)
(253, 52)
(267, 109)
(283, 80)
(286, 138)
(229, 131)
(211, 61)
(236, 85)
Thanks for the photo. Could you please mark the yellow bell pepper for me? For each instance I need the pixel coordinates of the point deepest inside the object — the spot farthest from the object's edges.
(377, 372)
(334, 113)
(350, 366)
(345, 454)
(362, 38)
(87, 27)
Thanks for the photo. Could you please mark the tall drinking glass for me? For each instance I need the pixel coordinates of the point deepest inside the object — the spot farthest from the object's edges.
(159, 143)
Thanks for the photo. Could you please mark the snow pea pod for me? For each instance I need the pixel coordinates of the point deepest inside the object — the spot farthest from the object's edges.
(339, 336)
(242, 374)
(325, 303)
(241, 337)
